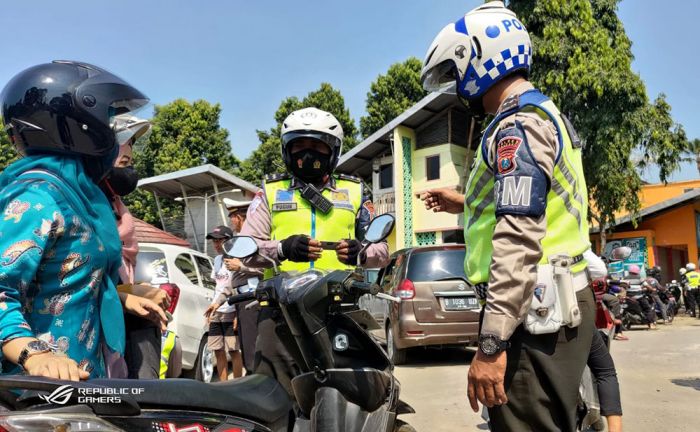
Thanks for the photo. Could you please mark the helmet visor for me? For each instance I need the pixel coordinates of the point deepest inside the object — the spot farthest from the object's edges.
(441, 78)
(331, 141)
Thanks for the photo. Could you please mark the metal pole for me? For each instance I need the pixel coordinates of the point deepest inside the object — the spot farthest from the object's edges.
(189, 211)
(160, 211)
(225, 220)
(206, 220)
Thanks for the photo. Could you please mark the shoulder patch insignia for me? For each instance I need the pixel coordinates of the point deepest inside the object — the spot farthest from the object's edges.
(505, 153)
(255, 203)
(340, 195)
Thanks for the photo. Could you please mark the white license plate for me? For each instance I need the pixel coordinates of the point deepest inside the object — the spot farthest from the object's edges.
(461, 303)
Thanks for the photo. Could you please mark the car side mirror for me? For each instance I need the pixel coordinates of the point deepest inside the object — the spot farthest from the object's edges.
(241, 247)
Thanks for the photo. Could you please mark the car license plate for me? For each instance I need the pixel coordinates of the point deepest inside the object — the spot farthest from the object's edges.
(461, 303)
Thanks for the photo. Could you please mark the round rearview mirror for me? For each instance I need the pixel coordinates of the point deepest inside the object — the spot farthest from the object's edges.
(621, 253)
(240, 247)
(380, 228)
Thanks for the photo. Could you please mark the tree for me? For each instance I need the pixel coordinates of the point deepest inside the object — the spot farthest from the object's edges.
(267, 158)
(7, 150)
(692, 153)
(392, 94)
(582, 60)
(184, 135)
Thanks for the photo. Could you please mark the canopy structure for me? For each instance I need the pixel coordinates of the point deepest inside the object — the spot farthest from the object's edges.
(195, 187)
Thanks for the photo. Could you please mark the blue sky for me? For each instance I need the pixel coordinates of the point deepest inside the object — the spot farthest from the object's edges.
(249, 55)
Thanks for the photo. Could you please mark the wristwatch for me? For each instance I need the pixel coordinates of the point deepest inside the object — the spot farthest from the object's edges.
(490, 344)
(33, 348)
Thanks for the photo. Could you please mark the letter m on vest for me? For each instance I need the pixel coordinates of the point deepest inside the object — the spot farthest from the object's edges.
(516, 191)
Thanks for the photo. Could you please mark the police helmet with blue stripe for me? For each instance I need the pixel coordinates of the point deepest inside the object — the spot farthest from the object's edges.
(475, 52)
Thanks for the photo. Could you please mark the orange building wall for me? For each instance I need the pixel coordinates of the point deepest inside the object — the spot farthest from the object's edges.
(674, 228)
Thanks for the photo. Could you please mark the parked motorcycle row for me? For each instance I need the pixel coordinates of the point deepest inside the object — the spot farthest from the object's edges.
(346, 382)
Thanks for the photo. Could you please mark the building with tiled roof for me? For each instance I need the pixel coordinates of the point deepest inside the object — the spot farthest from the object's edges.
(147, 233)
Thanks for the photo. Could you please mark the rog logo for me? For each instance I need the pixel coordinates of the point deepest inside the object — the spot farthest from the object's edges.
(60, 396)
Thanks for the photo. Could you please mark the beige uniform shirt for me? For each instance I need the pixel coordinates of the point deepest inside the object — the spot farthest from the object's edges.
(517, 239)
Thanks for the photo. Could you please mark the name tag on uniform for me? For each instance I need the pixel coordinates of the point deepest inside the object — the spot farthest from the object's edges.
(284, 206)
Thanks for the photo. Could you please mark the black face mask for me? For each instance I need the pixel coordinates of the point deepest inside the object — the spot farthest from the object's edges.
(310, 166)
(123, 181)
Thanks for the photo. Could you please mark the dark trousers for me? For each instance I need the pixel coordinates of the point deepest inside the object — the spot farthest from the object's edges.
(142, 353)
(691, 301)
(543, 376)
(272, 357)
(247, 332)
(605, 376)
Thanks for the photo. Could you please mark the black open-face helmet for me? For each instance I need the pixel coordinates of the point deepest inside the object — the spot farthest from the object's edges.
(66, 107)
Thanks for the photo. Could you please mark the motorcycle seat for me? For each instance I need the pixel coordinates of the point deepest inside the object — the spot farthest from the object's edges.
(255, 397)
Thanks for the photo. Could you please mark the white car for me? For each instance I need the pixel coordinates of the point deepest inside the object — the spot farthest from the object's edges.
(159, 264)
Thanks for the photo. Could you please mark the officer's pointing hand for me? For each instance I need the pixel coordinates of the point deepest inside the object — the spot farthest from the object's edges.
(485, 380)
(300, 248)
(442, 200)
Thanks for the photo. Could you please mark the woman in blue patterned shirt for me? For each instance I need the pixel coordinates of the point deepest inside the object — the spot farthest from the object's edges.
(60, 314)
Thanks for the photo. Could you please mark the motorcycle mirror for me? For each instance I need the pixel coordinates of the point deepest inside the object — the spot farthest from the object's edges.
(241, 247)
(380, 228)
(621, 253)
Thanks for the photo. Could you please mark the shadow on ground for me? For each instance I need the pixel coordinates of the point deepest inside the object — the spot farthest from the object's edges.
(687, 382)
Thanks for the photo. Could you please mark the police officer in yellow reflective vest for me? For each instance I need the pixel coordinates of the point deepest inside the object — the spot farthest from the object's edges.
(693, 280)
(294, 212)
(525, 204)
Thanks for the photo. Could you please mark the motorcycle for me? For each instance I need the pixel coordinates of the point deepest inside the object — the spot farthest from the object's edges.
(346, 384)
(346, 381)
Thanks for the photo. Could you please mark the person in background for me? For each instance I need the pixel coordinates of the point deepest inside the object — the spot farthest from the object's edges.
(600, 361)
(242, 278)
(143, 336)
(688, 303)
(60, 313)
(634, 277)
(652, 285)
(222, 319)
(693, 281)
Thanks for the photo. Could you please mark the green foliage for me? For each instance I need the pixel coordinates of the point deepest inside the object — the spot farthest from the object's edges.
(582, 60)
(267, 158)
(184, 135)
(7, 150)
(691, 153)
(392, 94)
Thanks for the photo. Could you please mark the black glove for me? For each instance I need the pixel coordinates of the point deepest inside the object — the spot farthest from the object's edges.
(296, 248)
(354, 248)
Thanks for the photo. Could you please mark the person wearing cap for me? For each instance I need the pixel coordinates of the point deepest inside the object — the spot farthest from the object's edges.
(525, 206)
(240, 283)
(222, 320)
(295, 211)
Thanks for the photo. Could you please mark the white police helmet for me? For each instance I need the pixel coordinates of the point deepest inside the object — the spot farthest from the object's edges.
(316, 124)
(477, 51)
(690, 266)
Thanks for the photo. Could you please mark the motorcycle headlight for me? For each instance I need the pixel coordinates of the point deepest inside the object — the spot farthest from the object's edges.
(301, 279)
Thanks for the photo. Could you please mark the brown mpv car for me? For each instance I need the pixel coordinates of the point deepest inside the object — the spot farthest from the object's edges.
(438, 306)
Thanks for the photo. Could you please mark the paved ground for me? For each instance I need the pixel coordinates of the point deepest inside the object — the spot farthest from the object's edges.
(659, 378)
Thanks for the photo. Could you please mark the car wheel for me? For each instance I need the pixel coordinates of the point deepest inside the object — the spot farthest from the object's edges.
(396, 355)
(203, 369)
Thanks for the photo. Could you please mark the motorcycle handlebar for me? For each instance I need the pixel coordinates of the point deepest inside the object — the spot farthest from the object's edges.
(365, 287)
(239, 298)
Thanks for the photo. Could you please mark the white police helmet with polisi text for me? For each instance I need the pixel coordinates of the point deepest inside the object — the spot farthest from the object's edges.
(477, 51)
(315, 124)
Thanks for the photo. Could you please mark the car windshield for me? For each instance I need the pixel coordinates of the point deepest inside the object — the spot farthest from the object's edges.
(151, 268)
(436, 265)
